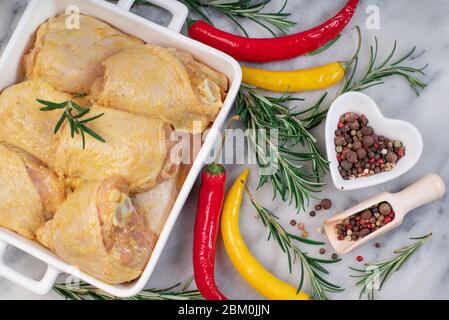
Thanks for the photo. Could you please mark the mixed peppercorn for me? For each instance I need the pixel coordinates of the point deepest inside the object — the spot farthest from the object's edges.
(362, 153)
(365, 222)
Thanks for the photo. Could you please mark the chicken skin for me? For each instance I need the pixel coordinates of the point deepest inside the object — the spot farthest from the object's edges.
(156, 82)
(99, 231)
(157, 203)
(29, 192)
(22, 123)
(70, 59)
(136, 148)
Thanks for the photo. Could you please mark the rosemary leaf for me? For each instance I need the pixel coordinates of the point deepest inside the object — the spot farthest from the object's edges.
(325, 47)
(51, 105)
(60, 122)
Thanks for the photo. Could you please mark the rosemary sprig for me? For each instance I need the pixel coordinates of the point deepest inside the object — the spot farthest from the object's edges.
(87, 292)
(247, 9)
(375, 74)
(382, 271)
(75, 115)
(264, 115)
(313, 266)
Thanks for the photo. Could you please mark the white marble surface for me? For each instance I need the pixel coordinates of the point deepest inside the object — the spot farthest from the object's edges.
(426, 276)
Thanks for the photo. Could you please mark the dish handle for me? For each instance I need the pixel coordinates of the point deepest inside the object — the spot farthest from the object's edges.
(39, 287)
(178, 10)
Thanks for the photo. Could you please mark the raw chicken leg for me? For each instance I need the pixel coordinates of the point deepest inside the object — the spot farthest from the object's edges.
(22, 123)
(71, 59)
(136, 148)
(99, 231)
(29, 192)
(153, 81)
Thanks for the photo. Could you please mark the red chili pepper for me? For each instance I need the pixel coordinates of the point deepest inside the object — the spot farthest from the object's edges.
(210, 202)
(272, 49)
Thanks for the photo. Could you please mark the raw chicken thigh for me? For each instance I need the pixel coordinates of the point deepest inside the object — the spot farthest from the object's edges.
(29, 192)
(71, 59)
(99, 231)
(136, 148)
(22, 123)
(154, 81)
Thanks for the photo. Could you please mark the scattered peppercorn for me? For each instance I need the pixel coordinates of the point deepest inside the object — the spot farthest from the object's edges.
(359, 258)
(334, 256)
(301, 226)
(304, 234)
(322, 251)
(317, 207)
(377, 245)
(362, 153)
(365, 222)
(293, 223)
(312, 213)
(326, 204)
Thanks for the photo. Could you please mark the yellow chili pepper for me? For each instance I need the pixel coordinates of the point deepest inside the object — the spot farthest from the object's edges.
(242, 259)
(299, 80)
(295, 81)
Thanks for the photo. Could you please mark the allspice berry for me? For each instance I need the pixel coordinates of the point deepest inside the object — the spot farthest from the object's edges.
(326, 204)
(351, 156)
(367, 131)
(366, 214)
(392, 157)
(385, 209)
(345, 164)
(340, 141)
(361, 154)
(357, 145)
(368, 141)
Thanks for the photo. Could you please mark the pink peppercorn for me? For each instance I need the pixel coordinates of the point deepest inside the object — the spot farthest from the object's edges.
(359, 258)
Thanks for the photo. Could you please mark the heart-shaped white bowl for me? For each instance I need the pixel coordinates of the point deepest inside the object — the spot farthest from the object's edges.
(393, 129)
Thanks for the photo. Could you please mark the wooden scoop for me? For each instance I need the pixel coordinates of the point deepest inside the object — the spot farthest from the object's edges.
(425, 190)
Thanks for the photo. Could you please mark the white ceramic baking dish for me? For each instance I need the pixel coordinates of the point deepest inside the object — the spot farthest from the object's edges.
(118, 16)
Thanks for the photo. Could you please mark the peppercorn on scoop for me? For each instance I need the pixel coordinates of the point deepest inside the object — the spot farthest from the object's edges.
(99, 231)
(70, 58)
(29, 192)
(161, 83)
(135, 148)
